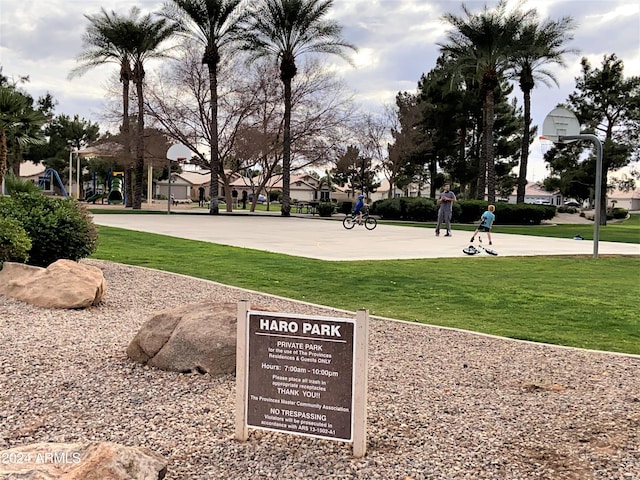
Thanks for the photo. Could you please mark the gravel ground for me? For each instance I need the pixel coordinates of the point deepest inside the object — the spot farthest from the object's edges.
(442, 404)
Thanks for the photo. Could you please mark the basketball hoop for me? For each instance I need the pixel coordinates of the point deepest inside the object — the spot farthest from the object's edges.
(545, 144)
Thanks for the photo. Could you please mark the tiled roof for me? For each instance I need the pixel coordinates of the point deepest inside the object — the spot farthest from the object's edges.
(621, 194)
(29, 169)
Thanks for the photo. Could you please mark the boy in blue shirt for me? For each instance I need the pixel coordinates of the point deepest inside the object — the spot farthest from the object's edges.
(486, 221)
(357, 210)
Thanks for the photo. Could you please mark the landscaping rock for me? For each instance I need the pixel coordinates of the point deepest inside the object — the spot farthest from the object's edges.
(199, 337)
(77, 461)
(63, 284)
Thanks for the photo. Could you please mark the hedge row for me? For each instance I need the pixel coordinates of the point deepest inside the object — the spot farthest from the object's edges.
(420, 209)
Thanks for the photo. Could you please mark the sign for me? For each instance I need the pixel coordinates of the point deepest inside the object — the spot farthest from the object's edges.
(300, 374)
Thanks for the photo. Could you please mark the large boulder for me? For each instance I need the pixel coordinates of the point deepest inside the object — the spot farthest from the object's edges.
(63, 284)
(198, 337)
(82, 461)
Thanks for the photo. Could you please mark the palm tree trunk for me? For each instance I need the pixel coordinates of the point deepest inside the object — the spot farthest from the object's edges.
(3, 155)
(139, 164)
(488, 138)
(286, 151)
(126, 134)
(17, 160)
(214, 208)
(524, 153)
(484, 154)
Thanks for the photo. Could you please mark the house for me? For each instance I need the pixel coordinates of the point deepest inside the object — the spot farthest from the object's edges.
(535, 193)
(620, 199)
(52, 183)
(31, 171)
(302, 188)
(412, 190)
(186, 184)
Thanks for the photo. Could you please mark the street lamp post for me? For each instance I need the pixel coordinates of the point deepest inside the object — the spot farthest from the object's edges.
(70, 170)
(77, 196)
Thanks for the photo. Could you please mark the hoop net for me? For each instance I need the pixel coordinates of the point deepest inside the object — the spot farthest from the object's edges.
(545, 144)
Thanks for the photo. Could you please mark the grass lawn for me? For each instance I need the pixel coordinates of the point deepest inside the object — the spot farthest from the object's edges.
(574, 301)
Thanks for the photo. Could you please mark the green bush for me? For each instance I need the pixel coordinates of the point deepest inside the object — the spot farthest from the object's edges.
(345, 207)
(15, 185)
(14, 241)
(421, 209)
(618, 213)
(57, 227)
(418, 209)
(523, 213)
(275, 196)
(470, 210)
(389, 208)
(568, 210)
(325, 209)
(507, 213)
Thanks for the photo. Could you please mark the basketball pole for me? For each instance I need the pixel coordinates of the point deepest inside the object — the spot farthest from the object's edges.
(598, 194)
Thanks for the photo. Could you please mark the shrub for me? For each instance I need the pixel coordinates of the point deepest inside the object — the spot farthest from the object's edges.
(406, 208)
(506, 213)
(470, 211)
(58, 228)
(325, 209)
(618, 212)
(389, 208)
(567, 210)
(345, 207)
(14, 241)
(15, 185)
(420, 209)
(276, 196)
(523, 213)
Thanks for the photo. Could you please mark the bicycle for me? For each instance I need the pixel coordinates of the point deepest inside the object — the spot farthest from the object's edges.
(351, 220)
(471, 250)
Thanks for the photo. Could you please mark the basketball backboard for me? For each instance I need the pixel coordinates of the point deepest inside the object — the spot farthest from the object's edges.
(179, 152)
(560, 122)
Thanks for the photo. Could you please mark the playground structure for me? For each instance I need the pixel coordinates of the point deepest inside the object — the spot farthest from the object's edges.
(114, 194)
(52, 174)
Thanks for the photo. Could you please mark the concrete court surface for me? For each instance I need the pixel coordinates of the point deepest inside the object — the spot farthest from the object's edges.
(327, 239)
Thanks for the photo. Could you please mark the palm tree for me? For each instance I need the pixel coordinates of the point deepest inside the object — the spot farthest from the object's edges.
(539, 45)
(102, 46)
(284, 30)
(131, 40)
(20, 121)
(481, 46)
(215, 24)
(141, 38)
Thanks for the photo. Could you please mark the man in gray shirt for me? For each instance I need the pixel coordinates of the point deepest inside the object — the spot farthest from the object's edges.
(446, 200)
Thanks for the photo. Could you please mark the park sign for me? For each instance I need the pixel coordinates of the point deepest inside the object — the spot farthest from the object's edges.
(302, 375)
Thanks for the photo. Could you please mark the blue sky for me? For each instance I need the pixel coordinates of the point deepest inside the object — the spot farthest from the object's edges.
(397, 42)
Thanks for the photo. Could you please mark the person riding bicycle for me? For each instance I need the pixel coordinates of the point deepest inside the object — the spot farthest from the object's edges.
(357, 210)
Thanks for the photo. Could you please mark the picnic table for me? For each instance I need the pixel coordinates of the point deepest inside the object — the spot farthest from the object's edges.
(310, 207)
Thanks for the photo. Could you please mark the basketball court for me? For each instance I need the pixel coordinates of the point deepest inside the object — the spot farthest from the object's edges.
(326, 239)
